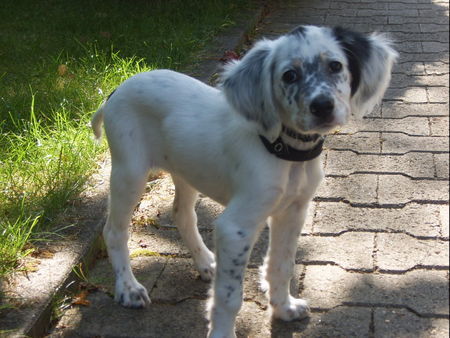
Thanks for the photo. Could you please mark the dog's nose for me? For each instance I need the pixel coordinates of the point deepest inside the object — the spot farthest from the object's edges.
(322, 106)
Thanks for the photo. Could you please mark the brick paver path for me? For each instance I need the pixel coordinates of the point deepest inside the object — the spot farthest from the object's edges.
(374, 256)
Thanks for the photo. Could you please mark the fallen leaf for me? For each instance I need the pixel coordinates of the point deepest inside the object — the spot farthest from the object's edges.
(62, 70)
(80, 299)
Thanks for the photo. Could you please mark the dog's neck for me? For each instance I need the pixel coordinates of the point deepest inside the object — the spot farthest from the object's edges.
(294, 146)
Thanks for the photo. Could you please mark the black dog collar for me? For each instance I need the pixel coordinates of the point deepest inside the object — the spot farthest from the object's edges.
(302, 137)
(288, 153)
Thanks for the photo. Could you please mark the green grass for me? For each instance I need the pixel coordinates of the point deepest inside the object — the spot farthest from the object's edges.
(59, 59)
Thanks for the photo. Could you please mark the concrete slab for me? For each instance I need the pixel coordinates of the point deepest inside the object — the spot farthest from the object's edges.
(415, 165)
(403, 323)
(398, 190)
(359, 142)
(356, 189)
(401, 252)
(414, 219)
(424, 292)
(350, 250)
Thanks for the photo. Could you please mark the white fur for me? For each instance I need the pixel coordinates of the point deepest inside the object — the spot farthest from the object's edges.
(208, 139)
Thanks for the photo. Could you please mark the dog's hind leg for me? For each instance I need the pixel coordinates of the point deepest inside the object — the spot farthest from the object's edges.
(186, 221)
(128, 181)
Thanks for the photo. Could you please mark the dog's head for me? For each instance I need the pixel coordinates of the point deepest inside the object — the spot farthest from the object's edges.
(310, 80)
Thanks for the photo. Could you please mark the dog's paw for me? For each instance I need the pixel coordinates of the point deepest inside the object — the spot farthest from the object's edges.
(294, 308)
(131, 295)
(206, 266)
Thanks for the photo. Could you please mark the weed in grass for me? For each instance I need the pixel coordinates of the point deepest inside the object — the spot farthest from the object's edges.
(13, 238)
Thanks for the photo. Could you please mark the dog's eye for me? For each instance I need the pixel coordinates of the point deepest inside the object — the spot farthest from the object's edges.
(335, 66)
(290, 76)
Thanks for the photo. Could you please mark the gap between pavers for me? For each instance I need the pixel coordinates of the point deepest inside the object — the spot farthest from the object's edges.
(36, 293)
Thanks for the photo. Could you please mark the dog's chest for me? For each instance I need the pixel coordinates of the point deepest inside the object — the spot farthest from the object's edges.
(303, 181)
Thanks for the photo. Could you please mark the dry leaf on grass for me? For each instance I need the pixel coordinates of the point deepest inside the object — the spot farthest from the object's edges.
(81, 298)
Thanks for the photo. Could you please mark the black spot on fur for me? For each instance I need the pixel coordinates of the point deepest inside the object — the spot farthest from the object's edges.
(238, 262)
(357, 49)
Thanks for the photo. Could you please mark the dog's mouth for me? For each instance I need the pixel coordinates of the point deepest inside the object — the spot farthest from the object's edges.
(321, 127)
(332, 122)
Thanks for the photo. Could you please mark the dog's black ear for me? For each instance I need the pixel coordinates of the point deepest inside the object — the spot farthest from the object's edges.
(247, 85)
(370, 60)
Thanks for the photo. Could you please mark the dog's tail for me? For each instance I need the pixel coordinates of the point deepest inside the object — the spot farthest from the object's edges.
(96, 122)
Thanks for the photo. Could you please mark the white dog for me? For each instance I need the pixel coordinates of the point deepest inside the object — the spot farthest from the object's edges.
(252, 145)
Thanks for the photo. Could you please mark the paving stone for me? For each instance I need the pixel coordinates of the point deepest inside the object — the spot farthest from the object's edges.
(164, 241)
(396, 189)
(408, 95)
(252, 285)
(398, 110)
(327, 324)
(439, 126)
(427, 56)
(402, 5)
(252, 321)
(437, 94)
(372, 20)
(435, 46)
(355, 188)
(444, 213)
(402, 81)
(421, 19)
(433, 27)
(401, 252)
(426, 36)
(442, 165)
(424, 291)
(403, 323)
(409, 125)
(409, 68)
(404, 12)
(433, 12)
(414, 219)
(351, 250)
(360, 142)
(168, 287)
(391, 28)
(437, 67)
(412, 164)
(397, 143)
(146, 269)
(357, 5)
(155, 207)
(106, 318)
(440, 81)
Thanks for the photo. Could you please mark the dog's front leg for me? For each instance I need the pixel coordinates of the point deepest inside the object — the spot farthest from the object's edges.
(235, 233)
(279, 263)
